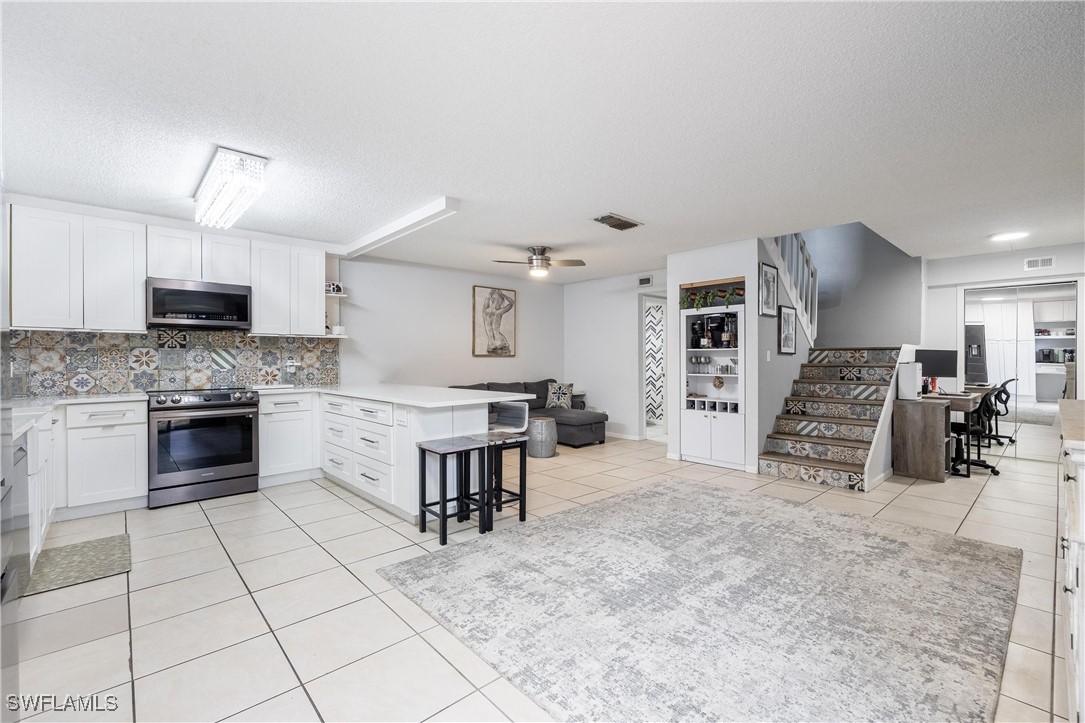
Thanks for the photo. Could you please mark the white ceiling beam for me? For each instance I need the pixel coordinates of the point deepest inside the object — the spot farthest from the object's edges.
(443, 207)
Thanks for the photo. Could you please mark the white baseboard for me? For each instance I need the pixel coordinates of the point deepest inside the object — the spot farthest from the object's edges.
(290, 477)
(98, 508)
(632, 437)
(878, 479)
(675, 457)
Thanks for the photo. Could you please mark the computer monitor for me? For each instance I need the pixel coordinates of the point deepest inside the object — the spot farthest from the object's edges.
(941, 363)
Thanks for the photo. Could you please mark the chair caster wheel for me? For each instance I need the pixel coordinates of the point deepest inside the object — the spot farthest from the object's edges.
(1000, 443)
(995, 472)
(1013, 441)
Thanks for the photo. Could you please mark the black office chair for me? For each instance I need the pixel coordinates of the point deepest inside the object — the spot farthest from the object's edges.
(1002, 397)
(977, 424)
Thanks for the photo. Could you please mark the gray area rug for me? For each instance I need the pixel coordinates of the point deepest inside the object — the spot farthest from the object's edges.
(688, 601)
(82, 562)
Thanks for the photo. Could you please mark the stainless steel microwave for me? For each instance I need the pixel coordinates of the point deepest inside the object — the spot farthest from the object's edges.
(175, 303)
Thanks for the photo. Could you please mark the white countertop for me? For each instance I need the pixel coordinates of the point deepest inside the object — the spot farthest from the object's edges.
(412, 395)
(26, 410)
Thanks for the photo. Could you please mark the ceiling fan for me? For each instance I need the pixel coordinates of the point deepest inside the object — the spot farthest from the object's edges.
(539, 262)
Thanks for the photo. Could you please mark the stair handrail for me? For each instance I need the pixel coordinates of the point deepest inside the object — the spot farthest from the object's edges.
(798, 276)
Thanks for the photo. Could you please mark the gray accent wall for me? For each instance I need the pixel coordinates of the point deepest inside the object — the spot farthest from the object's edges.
(870, 293)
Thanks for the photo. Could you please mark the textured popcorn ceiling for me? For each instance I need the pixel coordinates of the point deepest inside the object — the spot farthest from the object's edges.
(935, 124)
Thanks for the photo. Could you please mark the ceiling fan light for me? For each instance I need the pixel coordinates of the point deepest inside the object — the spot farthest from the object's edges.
(539, 271)
(232, 182)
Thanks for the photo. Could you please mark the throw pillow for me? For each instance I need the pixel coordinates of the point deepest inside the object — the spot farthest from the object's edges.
(559, 396)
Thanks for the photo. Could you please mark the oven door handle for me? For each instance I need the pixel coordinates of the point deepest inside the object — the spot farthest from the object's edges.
(198, 413)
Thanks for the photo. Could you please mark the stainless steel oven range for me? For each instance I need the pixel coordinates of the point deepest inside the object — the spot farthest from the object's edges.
(203, 444)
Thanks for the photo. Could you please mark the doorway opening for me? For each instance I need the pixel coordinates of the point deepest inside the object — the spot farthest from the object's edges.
(653, 366)
(1024, 337)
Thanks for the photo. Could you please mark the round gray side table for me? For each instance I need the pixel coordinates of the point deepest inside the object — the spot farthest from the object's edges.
(542, 437)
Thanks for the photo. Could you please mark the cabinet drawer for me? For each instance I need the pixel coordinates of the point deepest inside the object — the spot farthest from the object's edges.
(373, 440)
(286, 403)
(336, 463)
(336, 405)
(372, 477)
(336, 429)
(373, 411)
(106, 414)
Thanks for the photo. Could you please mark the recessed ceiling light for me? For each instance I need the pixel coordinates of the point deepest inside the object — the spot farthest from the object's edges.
(230, 185)
(1009, 236)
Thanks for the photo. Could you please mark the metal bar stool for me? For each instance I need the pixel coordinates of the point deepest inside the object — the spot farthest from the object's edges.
(496, 443)
(465, 501)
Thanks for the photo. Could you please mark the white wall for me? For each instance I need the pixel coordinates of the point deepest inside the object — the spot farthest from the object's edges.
(716, 262)
(870, 293)
(603, 347)
(411, 324)
(776, 372)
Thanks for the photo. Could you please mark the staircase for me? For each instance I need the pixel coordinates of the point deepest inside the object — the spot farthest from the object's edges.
(831, 417)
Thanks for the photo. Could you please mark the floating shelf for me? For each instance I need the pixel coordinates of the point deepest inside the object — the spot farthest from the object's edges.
(702, 374)
(715, 349)
(1053, 336)
(337, 296)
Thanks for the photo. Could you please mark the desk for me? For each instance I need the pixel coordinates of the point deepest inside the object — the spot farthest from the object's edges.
(966, 405)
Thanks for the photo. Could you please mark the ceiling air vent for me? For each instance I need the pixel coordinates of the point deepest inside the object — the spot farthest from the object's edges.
(644, 281)
(620, 223)
(1040, 263)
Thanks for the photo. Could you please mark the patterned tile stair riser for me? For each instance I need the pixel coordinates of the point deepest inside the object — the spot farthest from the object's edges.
(854, 356)
(820, 449)
(812, 473)
(839, 390)
(792, 424)
(843, 373)
(829, 408)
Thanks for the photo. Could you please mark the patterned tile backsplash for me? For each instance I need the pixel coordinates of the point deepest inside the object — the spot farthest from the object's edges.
(85, 362)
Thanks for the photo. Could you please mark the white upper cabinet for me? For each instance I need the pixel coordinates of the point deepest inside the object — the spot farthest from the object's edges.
(226, 259)
(114, 275)
(46, 269)
(174, 253)
(271, 279)
(307, 292)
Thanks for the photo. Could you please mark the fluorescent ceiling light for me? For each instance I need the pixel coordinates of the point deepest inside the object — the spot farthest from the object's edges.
(232, 182)
(1009, 236)
(993, 298)
(540, 271)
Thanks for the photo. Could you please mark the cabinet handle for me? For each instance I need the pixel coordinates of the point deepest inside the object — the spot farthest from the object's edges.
(1067, 589)
(55, 421)
(336, 432)
(336, 462)
(286, 404)
(363, 410)
(1068, 477)
(1064, 543)
(106, 414)
(368, 441)
(371, 479)
(337, 405)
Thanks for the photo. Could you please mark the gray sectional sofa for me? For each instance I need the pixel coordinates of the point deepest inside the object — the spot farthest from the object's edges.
(576, 427)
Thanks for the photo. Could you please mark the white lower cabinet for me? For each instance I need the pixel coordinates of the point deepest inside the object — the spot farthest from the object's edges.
(286, 442)
(356, 450)
(1072, 586)
(39, 443)
(287, 433)
(107, 463)
(714, 437)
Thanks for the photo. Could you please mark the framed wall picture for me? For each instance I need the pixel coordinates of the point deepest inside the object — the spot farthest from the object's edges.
(493, 321)
(788, 330)
(767, 289)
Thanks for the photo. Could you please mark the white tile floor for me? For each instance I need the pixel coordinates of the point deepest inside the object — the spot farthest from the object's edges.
(267, 606)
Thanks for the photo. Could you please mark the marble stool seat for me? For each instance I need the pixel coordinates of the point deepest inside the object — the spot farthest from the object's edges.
(496, 443)
(464, 500)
